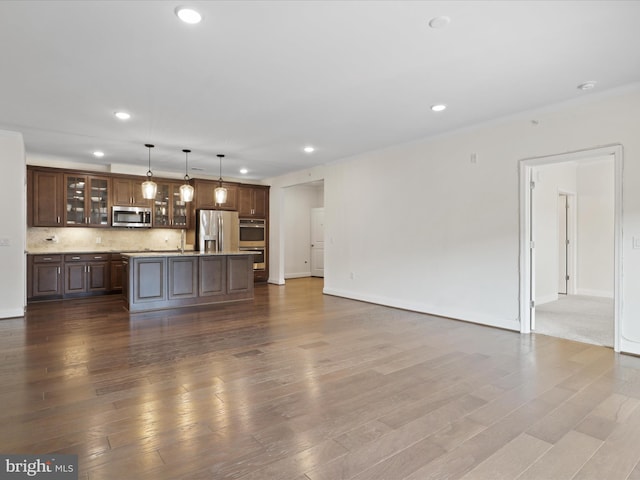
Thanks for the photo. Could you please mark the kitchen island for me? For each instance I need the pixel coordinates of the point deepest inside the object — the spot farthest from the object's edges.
(159, 280)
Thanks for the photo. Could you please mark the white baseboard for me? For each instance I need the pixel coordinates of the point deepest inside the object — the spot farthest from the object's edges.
(546, 299)
(452, 313)
(12, 313)
(297, 275)
(594, 293)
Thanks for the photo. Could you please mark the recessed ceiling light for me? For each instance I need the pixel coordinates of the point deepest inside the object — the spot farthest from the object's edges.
(122, 115)
(188, 15)
(244, 171)
(98, 154)
(439, 22)
(309, 149)
(438, 107)
(587, 85)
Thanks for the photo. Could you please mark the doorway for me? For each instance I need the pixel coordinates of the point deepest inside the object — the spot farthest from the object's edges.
(303, 242)
(317, 242)
(545, 290)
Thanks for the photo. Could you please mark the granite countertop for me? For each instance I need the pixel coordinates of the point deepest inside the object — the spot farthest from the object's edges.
(192, 253)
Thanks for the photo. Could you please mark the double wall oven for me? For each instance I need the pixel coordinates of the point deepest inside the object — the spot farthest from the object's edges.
(253, 233)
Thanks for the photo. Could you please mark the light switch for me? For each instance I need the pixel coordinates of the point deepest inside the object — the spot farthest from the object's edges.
(4, 242)
(636, 242)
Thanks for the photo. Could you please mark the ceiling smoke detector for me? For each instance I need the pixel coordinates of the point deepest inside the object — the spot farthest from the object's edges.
(439, 23)
(587, 85)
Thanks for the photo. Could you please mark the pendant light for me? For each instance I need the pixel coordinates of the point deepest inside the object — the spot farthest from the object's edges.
(149, 187)
(186, 190)
(220, 193)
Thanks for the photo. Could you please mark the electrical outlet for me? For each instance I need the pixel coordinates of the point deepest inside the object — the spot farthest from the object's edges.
(5, 242)
(98, 240)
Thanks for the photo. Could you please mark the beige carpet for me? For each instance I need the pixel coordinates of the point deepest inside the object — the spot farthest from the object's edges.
(577, 317)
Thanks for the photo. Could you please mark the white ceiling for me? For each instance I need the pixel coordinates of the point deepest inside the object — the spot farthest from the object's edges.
(259, 80)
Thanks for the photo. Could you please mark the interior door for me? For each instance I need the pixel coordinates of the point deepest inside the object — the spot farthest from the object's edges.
(563, 244)
(317, 242)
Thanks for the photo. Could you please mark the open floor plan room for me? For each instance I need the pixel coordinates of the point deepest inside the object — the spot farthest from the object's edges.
(301, 385)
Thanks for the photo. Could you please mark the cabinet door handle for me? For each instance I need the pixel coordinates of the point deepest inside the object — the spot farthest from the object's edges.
(58, 218)
(47, 259)
(75, 258)
(58, 270)
(88, 268)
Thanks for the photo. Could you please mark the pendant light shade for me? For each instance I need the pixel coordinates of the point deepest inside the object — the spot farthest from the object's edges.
(186, 190)
(220, 193)
(149, 187)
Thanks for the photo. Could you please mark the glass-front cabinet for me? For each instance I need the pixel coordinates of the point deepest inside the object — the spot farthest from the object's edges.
(86, 201)
(168, 210)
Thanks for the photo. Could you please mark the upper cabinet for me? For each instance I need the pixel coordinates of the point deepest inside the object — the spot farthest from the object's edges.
(86, 200)
(168, 210)
(253, 201)
(205, 199)
(46, 199)
(128, 191)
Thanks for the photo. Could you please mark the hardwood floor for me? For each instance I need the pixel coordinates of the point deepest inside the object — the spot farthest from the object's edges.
(298, 385)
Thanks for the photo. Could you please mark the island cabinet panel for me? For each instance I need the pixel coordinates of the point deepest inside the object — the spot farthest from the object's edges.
(212, 276)
(150, 284)
(157, 281)
(183, 277)
(239, 274)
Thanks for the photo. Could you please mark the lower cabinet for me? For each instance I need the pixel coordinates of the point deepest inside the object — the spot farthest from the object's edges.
(87, 273)
(51, 277)
(45, 276)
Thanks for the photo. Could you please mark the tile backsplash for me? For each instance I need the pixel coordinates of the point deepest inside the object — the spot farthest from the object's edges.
(54, 239)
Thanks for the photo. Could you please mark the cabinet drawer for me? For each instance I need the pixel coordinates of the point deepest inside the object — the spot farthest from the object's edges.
(47, 258)
(87, 257)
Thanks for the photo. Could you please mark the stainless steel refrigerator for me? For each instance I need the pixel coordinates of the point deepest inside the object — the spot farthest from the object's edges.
(217, 231)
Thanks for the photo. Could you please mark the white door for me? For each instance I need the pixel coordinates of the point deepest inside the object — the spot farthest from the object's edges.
(317, 242)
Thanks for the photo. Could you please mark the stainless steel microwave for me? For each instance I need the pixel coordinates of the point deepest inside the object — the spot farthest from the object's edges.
(130, 216)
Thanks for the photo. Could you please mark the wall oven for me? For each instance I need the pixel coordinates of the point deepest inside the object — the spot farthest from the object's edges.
(252, 232)
(259, 262)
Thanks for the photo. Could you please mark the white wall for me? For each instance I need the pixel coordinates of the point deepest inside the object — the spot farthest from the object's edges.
(550, 181)
(12, 225)
(447, 241)
(298, 202)
(595, 266)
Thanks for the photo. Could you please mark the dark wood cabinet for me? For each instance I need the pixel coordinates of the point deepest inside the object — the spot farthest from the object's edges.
(253, 201)
(46, 199)
(240, 276)
(168, 210)
(117, 270)
(204, 197)
(86, 200)
(128, 192)
(44, 274)
(87, 273)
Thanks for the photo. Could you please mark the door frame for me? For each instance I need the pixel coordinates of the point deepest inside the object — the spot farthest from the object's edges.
(527, 249)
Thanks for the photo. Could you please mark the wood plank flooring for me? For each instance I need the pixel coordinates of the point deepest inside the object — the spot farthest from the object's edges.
(297, 385)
